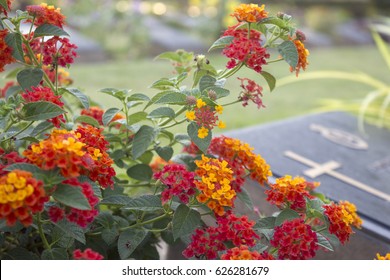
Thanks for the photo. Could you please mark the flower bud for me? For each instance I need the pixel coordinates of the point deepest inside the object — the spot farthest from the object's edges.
(190, 100)
(212, 94)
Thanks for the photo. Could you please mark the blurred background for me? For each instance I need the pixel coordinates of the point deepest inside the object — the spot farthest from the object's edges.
(118, 40)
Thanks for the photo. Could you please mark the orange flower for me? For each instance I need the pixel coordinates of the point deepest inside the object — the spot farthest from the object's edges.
(303, 53)
(243, 253)
(249, 13)
(383, 258)
(21, 196)
(5, 51)
(44, 14)
(214, 184)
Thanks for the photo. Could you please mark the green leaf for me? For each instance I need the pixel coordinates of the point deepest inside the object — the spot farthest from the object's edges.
(49, 30)
(221, 42)
(55, 254)
(145, 203)
(146, 158)
(141, 172)
(71, 196)
(275, 21)
(162, 112)
(117, 200)
(84, 100)
(12, 74)
(4, 4)
(289, 53)
(14, 41)
(165, 153)
(129, 240)
(137, 117)
(202, 144)
(183, 139)
(109, 235)
(286, 214)
(221, 92)
(206, 82)
(19, 253)
(137, 97)
(117, 93)
(185, 221)
(24, 166)
(244, 196)
(142, 140)
(29, 139)
(42, 110)
(172, 98)
(270, 79)
(30, 77)
(324, 242)
(88, 120)
(41, 127)
(71, 230)
(266, 223)
(109, 115)
(170, 56)
(163, 84)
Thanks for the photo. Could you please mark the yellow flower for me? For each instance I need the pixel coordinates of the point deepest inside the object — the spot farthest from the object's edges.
(200, 103)
(250, 13)
(219, 109)
(203, 132)
(221, 124)
(350, 217)
(383, 258)
(190, 115)
(303, 53)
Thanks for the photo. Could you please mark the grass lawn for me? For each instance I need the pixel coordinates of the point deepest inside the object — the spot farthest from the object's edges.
(286, 101)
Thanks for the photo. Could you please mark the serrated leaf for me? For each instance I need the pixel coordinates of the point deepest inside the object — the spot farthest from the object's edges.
(109, 235)
(43, 126)
(109, 115)
(324, 242)
(117, 93)
(14, 41)
(19, 253)
(266, 223)
(162, 112)
(185, 221)
(286, 214)
(165, 153)
(42, 110)
(289, 53)
(183, 138)
(141, 172)
(244, 196)
(129, 240)
(71, 230)
(55, 254)
(71, 196)
(202, 144)
(170, 56)
(270, 79)
(163, 84)
(137, 97)
(137, 117)
(30, 77)
(24, 166)
(87, 120)
(49, 30)
(206, 82)
(275, 21)
(221, 42)
(84, 100)
(118, 200)
(172, 98)
(145, 203)
(142, 140)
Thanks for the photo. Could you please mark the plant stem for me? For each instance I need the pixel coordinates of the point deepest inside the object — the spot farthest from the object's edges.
(231, 72)
(178, 112)
(145, 222)
(41, 233)
(19, 132)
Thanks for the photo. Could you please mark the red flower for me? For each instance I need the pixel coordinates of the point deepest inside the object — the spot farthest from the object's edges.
(178, 181)
(3, 10)
(21, 196)
(5, 50)
(295, 240)
(244, 49)
(58, 51)
(8, 159)
(56, 214)
(4, 90)
(251, 92)
(45, 94)
(244, 253)
(88, 254)
(44, 14)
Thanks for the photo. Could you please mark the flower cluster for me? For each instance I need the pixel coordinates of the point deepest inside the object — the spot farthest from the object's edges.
(77, 216)
(383, 258)
(158, 164)
(87, 254)
(295, 240)
(244, 253)
(250, 13)
(245, 48)
(205, 117)
(7, 159)
(289, 192)
(178, 181)
(45, 14)
(250, 92)
(58, 52)
(37, 94)
(303, 53)
(208, 242)
(5, 11)
(21, 196)
(341, 217)
(214, 183)
(5, 50)
(62, 78)
(240, 157)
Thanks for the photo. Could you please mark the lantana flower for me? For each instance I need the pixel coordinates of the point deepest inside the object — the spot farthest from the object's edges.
(46, 14)
(245, 253)
(249, 13)
(87, 254)
(5, 11)
(303, 53)
(5, 51)
(251, 91)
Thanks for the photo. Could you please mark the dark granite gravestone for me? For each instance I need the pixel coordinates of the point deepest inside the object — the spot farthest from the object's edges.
(350, 166)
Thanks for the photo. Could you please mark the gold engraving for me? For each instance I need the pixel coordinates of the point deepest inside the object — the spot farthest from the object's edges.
(328, 168)
(340, 137)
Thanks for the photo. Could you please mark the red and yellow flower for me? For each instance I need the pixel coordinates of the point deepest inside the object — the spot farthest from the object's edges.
(21, 196)
(303, 53)
(5, 50)
(383, 258)
(250, 13)
(46, 14)
(244, 253)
